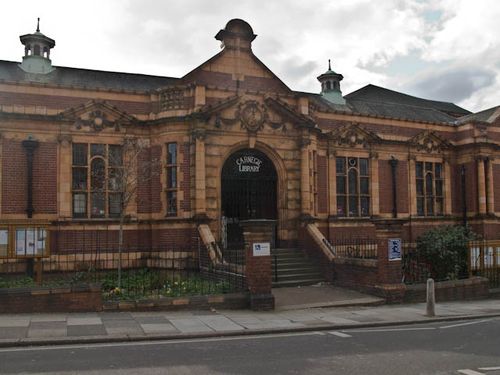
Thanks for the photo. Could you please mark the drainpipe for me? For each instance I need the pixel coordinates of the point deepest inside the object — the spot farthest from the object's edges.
(30, 145)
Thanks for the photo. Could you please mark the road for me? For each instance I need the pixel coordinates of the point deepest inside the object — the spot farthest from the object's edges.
(464, 347)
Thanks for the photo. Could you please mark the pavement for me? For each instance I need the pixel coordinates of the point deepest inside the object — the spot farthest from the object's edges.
(319, 309)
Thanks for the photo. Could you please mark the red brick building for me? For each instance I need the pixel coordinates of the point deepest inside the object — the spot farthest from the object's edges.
(234, 141)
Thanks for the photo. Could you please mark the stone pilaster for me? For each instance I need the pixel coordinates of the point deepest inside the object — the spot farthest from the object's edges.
(481, 185)
(65, 162)
(200, 172)
(412, 185)
(305, 184)
(490, 191)
(332, 183)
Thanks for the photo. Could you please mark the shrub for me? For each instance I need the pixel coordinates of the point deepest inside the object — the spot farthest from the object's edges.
(445, 249)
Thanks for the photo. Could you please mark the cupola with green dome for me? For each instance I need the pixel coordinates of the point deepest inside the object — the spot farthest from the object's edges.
(330, 86)
(37, 48)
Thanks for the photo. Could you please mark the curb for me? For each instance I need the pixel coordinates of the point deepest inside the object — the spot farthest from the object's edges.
(29, 342)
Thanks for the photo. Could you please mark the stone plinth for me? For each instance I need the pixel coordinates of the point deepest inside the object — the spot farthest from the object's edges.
(258, 268)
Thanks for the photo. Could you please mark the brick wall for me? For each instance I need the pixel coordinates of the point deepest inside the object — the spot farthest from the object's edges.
(38, 300)
(45, 178)
(385, 186)
(473, 288)
(15, 178)
(91, 240)
(149, 187)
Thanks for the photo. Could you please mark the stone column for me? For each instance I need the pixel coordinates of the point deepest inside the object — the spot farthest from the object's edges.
(332, 183)
(305, 191)
(412, 186)
(389, 272)
(374, 184)
(200, 172)
(490, 196)
(481, 185)
(65, 199)
(258, 268)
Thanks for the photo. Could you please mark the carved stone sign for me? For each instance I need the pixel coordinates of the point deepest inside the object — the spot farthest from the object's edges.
(248, 163)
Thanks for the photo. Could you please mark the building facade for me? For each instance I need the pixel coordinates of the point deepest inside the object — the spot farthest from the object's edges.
(233, 142)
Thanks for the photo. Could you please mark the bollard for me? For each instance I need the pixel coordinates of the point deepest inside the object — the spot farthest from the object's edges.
(430, 309)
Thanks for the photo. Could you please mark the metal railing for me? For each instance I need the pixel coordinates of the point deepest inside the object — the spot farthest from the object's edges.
(134, 274)
(358, 248)
(484, 260)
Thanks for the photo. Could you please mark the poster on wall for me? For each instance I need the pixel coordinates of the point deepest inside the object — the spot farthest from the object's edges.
(394, 249)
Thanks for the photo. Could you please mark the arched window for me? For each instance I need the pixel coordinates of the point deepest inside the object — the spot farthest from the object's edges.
(429, 183)
(353, 188)
(97, 180)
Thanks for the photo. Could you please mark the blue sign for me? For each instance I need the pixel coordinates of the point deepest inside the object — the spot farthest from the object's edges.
(394, 248)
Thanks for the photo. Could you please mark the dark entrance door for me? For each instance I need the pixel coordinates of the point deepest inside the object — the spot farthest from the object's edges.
(249, 191)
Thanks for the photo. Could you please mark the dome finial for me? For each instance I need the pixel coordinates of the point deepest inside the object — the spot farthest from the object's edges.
(329, 65)
(38, 25)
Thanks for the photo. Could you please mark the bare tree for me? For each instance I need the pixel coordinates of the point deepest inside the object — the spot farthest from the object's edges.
(125, 174)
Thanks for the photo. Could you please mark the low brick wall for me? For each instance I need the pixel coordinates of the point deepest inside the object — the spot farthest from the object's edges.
(453, 290)
(79, 298)
(355, 273)
(222, 301)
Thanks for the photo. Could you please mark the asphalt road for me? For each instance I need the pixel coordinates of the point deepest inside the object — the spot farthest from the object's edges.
(465, 347)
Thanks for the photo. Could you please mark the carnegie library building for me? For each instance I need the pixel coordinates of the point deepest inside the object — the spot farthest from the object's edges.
(227, 143)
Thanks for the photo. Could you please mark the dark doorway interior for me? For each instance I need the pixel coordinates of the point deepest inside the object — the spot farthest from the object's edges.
(249, 191)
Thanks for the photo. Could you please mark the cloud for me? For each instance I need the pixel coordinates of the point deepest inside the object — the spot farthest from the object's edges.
(453, 85)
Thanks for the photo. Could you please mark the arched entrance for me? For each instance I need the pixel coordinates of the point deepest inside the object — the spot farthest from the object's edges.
(248, 191)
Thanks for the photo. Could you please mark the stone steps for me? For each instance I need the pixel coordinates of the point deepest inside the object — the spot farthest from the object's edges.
(294, 269)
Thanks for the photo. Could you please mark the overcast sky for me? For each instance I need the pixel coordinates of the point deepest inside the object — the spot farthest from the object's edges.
(445, 50)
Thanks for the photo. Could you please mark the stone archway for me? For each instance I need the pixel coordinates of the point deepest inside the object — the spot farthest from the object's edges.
(249, 187)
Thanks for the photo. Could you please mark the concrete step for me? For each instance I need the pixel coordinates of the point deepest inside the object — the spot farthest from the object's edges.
(299, 276)
(297, 282)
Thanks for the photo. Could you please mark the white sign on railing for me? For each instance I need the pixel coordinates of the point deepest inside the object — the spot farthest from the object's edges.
(261, 249)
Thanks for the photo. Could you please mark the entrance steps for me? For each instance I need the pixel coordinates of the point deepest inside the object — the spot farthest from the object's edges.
(294, 269)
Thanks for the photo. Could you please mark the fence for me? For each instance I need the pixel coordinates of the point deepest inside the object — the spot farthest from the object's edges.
(484, 260)
(358, 248)
(136, 273)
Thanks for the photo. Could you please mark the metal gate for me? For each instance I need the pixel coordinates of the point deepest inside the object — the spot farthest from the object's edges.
(249, 191)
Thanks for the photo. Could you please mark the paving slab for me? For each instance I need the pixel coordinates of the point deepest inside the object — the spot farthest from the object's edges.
(190, 325)
(79, 321)
(158, 328)
(13, 332)
(220, 323)
(12, 323)
(86, 330)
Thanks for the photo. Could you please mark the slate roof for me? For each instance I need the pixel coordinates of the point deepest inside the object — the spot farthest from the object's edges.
(379, 101)
(487, 115)
(10, 71)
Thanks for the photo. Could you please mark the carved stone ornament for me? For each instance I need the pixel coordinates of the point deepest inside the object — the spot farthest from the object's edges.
(252, 115)
(199, 134)
(352, 135)
(97, 121)
(429, 142)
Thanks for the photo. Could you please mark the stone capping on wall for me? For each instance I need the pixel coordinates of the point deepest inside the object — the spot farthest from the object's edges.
(77, 298)
(451, 290)
(88, 298)
(373, 263)
(220, 301)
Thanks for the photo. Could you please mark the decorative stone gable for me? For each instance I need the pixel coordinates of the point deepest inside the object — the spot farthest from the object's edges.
(98, 115)
(353, 135)
(429, 141)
